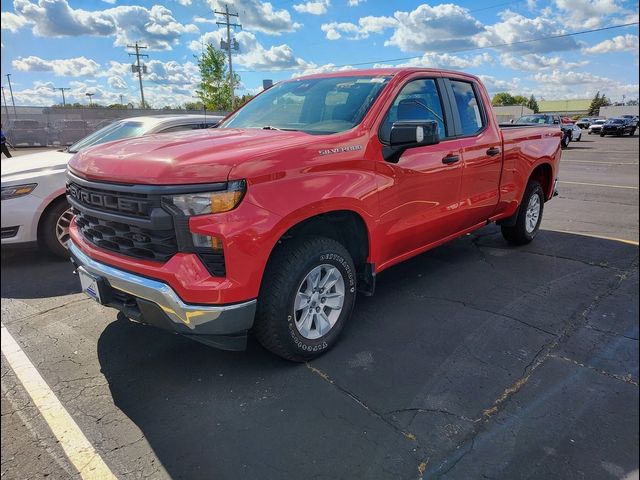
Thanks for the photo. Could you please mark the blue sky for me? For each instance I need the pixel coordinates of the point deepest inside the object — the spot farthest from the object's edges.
(82, 44)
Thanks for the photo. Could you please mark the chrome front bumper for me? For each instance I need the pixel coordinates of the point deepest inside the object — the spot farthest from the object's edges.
(183, 318)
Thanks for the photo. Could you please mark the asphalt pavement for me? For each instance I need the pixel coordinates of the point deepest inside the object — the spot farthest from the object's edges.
(474, 360)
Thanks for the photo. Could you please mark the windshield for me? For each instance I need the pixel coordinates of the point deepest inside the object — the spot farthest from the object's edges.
(615, 120)
(114, 131)
(545, 119)
(600, 122)
(315, 106)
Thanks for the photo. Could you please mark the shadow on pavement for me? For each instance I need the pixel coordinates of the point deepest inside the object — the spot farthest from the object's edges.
(32, 273)
(447, 335)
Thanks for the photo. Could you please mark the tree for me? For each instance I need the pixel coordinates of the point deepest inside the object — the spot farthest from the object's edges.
(532, 103)
(597, 102)
(194, 106)
(502, 99)
(520, 100)
(215, 91)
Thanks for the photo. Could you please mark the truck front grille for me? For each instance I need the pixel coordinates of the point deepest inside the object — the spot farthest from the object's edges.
(126, 239)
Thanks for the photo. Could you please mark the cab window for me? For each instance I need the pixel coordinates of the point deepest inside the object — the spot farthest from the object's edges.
(467, 104)
(417, 101)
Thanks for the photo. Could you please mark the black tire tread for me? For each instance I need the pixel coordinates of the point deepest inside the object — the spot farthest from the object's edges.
(283, 266)
(516, 234)
(48, 224)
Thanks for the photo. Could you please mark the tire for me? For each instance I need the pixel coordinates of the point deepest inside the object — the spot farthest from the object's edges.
(523, 231)
(279, 326)
(564, 143)
(589, 133)
(55, 224)
(579, 137)
(602, 134)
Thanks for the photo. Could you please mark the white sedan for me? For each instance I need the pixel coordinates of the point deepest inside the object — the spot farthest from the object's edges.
(34, 205)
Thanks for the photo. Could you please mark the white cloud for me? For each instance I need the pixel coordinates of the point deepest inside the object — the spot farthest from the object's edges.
(314, 69)
(314, 7)
(533, 62)
(156, 27)
(12, 22)
(258, 16)
(252, 54)
(561, 77)
(355, 3)
(616, 44)
(71, 67)
(494, 84)
(365, 27)
(117, 83)
(438, 28)
(517, 28)
(445, 60)
(587, 13)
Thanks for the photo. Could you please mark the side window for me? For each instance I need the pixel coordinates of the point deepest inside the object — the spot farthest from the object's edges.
(468, 107)
(418, 100)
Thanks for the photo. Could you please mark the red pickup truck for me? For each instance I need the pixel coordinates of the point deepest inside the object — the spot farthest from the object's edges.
(274, 220)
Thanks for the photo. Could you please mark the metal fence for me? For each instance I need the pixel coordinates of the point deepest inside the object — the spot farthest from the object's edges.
(51, 126)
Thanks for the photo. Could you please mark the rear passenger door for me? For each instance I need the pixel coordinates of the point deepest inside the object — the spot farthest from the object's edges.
(480, 146)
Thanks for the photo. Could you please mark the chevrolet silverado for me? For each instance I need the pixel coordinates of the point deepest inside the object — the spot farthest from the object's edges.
(273, 221)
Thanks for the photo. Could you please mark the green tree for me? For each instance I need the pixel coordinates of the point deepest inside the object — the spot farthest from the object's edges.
(520, 100)
(502, 99)
(597, 102)
(532, 103)
(193, 106)
(215, 90)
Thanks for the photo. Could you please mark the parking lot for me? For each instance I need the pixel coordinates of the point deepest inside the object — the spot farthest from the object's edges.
(474, 360)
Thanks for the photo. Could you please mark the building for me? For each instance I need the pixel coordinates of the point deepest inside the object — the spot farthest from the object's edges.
(618, 111)
(566, 108)
(511, 112)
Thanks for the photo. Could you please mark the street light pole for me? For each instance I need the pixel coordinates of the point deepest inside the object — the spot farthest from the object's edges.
(90, 95)
(6, 108)
(8, 75)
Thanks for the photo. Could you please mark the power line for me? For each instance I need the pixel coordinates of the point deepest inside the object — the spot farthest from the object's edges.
(230, 44)
(461, 50)
(138, 68)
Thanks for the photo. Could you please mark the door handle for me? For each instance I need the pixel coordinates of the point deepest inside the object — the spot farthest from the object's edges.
(449, 159)
(493, 151)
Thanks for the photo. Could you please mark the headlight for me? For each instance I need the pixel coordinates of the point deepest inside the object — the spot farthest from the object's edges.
(17, 190)
(211, 202)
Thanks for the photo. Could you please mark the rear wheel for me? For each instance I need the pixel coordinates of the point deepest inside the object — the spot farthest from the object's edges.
(54, 228)
(529, 216)
(308, 292)
(565, 141)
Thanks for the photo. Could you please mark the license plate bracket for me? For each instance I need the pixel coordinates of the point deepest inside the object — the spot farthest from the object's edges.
(92, 285)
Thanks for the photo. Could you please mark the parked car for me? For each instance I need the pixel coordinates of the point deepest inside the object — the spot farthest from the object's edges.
(34, 207)
(596, 126)
(26, 133)
(550, 120)
(66, 132)
(633, 119)
(576, 133)
(584, 122)
(618, 127)
(275, 219)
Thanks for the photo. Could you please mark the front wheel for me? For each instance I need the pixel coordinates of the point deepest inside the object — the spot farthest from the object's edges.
(565, 141)
(53, 234)
(529, 216)
(307, 294)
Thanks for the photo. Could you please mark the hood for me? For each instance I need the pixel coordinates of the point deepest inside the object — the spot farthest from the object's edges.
(201, 156)
(33, 164)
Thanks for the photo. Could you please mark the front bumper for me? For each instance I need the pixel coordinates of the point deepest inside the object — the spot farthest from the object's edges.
(155, 303)
(22, 212)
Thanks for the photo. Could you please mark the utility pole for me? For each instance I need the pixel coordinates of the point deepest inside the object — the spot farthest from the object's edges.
(8, 75)
(138, 68)
(230, 44)
(6, 108)
(62, 89)
(90, 95)
(121, 100)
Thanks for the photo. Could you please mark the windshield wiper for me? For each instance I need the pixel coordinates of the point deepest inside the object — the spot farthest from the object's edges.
(271, 127)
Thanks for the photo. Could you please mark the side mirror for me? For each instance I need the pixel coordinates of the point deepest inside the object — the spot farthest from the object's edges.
(410, 134)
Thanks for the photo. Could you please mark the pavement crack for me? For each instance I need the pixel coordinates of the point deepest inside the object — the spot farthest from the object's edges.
(628, 378)
(610, 332)
(432, 410)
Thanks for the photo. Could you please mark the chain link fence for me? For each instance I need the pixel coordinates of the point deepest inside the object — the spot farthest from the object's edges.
(51, 126)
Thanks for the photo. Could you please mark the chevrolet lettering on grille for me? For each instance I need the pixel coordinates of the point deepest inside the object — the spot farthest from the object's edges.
(108, 201)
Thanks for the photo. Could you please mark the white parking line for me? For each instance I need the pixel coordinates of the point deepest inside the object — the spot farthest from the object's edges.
(600, 185)
(76, 446)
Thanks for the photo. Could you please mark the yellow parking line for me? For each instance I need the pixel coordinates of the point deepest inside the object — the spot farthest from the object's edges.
(600, 185)
(622, 240)
(76, 446)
